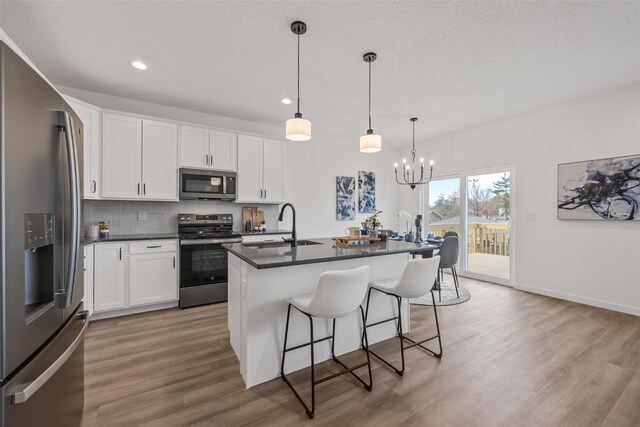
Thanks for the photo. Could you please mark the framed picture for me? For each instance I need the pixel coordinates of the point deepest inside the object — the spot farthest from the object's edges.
(605, 189)
(345, 198)
(366, 192)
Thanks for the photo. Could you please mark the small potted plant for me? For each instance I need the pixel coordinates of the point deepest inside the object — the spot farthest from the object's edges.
(374, 224)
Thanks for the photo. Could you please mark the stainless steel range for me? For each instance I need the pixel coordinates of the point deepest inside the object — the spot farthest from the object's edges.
(203, 260)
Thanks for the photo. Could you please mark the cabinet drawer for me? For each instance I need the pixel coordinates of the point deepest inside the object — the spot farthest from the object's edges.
(153, 246)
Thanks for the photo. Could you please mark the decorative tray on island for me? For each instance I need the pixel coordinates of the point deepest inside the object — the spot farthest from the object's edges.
(356, 240)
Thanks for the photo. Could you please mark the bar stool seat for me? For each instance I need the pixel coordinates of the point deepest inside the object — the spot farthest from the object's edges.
(418, 278)
(337, 294)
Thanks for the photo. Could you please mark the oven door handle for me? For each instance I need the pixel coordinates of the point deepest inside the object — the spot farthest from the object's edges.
(208, 241)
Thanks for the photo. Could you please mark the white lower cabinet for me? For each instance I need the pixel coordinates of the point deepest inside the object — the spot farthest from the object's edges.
(153, 278)
(109, 276)
(88, 278)
(130, 275)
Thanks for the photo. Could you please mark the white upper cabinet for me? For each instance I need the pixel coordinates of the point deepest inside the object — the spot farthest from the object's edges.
(249, 169)
(208, 149)
(90, 116)
(139, 158)
(273, 170)
(261, 167)
(223, 150)
(159, 160)
(121, 156)
(194, 147)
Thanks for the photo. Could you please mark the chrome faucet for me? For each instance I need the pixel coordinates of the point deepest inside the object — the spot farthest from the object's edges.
(294, 240)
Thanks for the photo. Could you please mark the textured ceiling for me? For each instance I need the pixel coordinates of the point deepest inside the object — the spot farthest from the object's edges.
(453, 64)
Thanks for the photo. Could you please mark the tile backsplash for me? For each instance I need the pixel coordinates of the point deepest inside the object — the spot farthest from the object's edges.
(162, 217)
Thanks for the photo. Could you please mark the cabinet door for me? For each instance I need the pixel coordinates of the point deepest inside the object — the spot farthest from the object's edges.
(153, 278)
(249, 169)
(121, 156)
(224, 150)
(90, 117)
(88, 278)
(194, 147)
(109, 276)
(159, 160)
(273, 171)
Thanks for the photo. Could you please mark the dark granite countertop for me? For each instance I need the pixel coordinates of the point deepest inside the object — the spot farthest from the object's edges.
(282, 255)
(267, 231)
(124, 237)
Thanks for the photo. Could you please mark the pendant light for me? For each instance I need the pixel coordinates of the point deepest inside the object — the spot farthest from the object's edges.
(370, 142)
(409, 170)
(298, 129)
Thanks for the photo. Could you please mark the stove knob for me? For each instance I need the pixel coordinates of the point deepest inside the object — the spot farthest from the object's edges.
(188, 218)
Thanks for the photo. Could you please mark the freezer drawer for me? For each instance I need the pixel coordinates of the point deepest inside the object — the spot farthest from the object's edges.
(49, 390)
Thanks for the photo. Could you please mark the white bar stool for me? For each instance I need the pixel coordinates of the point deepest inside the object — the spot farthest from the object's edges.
(417, 279)
(337, 294)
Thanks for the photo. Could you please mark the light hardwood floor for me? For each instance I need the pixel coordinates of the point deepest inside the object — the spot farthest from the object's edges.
(510, 359)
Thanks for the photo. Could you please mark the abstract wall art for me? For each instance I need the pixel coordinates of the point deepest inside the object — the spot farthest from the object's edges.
(366, 192)
(606, 189)
(345, 198)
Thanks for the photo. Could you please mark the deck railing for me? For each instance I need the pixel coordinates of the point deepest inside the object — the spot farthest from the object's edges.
(488, 238)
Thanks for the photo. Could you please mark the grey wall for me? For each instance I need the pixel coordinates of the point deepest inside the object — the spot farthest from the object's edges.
(162, 217)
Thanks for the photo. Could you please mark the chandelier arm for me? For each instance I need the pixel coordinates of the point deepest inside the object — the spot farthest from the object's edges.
(397, 178)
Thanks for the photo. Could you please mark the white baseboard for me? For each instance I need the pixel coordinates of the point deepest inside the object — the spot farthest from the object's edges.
(132, 310)
(582, 300)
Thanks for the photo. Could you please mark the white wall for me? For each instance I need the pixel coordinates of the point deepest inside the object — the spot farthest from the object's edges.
(594, 262)
(312, 166)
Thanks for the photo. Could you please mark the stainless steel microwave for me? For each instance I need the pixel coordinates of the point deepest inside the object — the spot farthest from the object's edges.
(207, 184)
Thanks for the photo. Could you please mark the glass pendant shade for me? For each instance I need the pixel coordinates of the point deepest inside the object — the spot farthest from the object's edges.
(370, 143)
(298, 129)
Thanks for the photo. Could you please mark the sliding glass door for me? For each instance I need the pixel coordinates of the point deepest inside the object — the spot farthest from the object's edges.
(488, 231)
(478, 205)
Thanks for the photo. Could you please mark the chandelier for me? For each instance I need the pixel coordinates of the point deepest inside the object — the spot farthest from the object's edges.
(409, 170)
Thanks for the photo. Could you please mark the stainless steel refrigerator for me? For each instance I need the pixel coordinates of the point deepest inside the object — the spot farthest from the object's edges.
(42, 319)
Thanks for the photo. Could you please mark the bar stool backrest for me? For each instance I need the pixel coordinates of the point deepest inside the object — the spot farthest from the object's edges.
(339, 293)
(449, 234)
(418, 277)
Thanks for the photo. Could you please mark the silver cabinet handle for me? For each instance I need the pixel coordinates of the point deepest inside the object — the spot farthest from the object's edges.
(95, 185)
(211, 162)
(265, 194)
(174, 263)
(74, 190)
(154, 247)
(120, 254)
(206, 159)
(144, 188)
(138, 188)
(31, 388)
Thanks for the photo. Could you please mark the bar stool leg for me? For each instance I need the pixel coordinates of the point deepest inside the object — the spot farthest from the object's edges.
(313, 372)
(401, 336)
(366, 342)
(435, 313)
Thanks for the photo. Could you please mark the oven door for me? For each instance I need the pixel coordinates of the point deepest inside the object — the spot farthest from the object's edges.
(203, 262)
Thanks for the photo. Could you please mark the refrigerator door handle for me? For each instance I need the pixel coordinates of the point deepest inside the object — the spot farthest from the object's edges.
(31, 388)
(66, 125)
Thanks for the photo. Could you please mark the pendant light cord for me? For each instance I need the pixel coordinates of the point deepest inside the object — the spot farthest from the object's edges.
(369, 95)
(413, 150)
(298, 74)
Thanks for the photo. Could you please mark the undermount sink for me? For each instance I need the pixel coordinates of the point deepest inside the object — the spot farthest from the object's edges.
(279, 244)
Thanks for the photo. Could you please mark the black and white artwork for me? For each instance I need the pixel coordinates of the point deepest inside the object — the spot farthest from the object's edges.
(606, 189)
(345, 198)
(366, 192)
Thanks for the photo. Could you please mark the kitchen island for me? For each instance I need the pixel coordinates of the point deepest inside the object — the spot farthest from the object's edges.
(263, 275)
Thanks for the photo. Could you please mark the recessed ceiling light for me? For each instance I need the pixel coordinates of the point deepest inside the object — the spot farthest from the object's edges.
(286, 101)
(139, 65)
